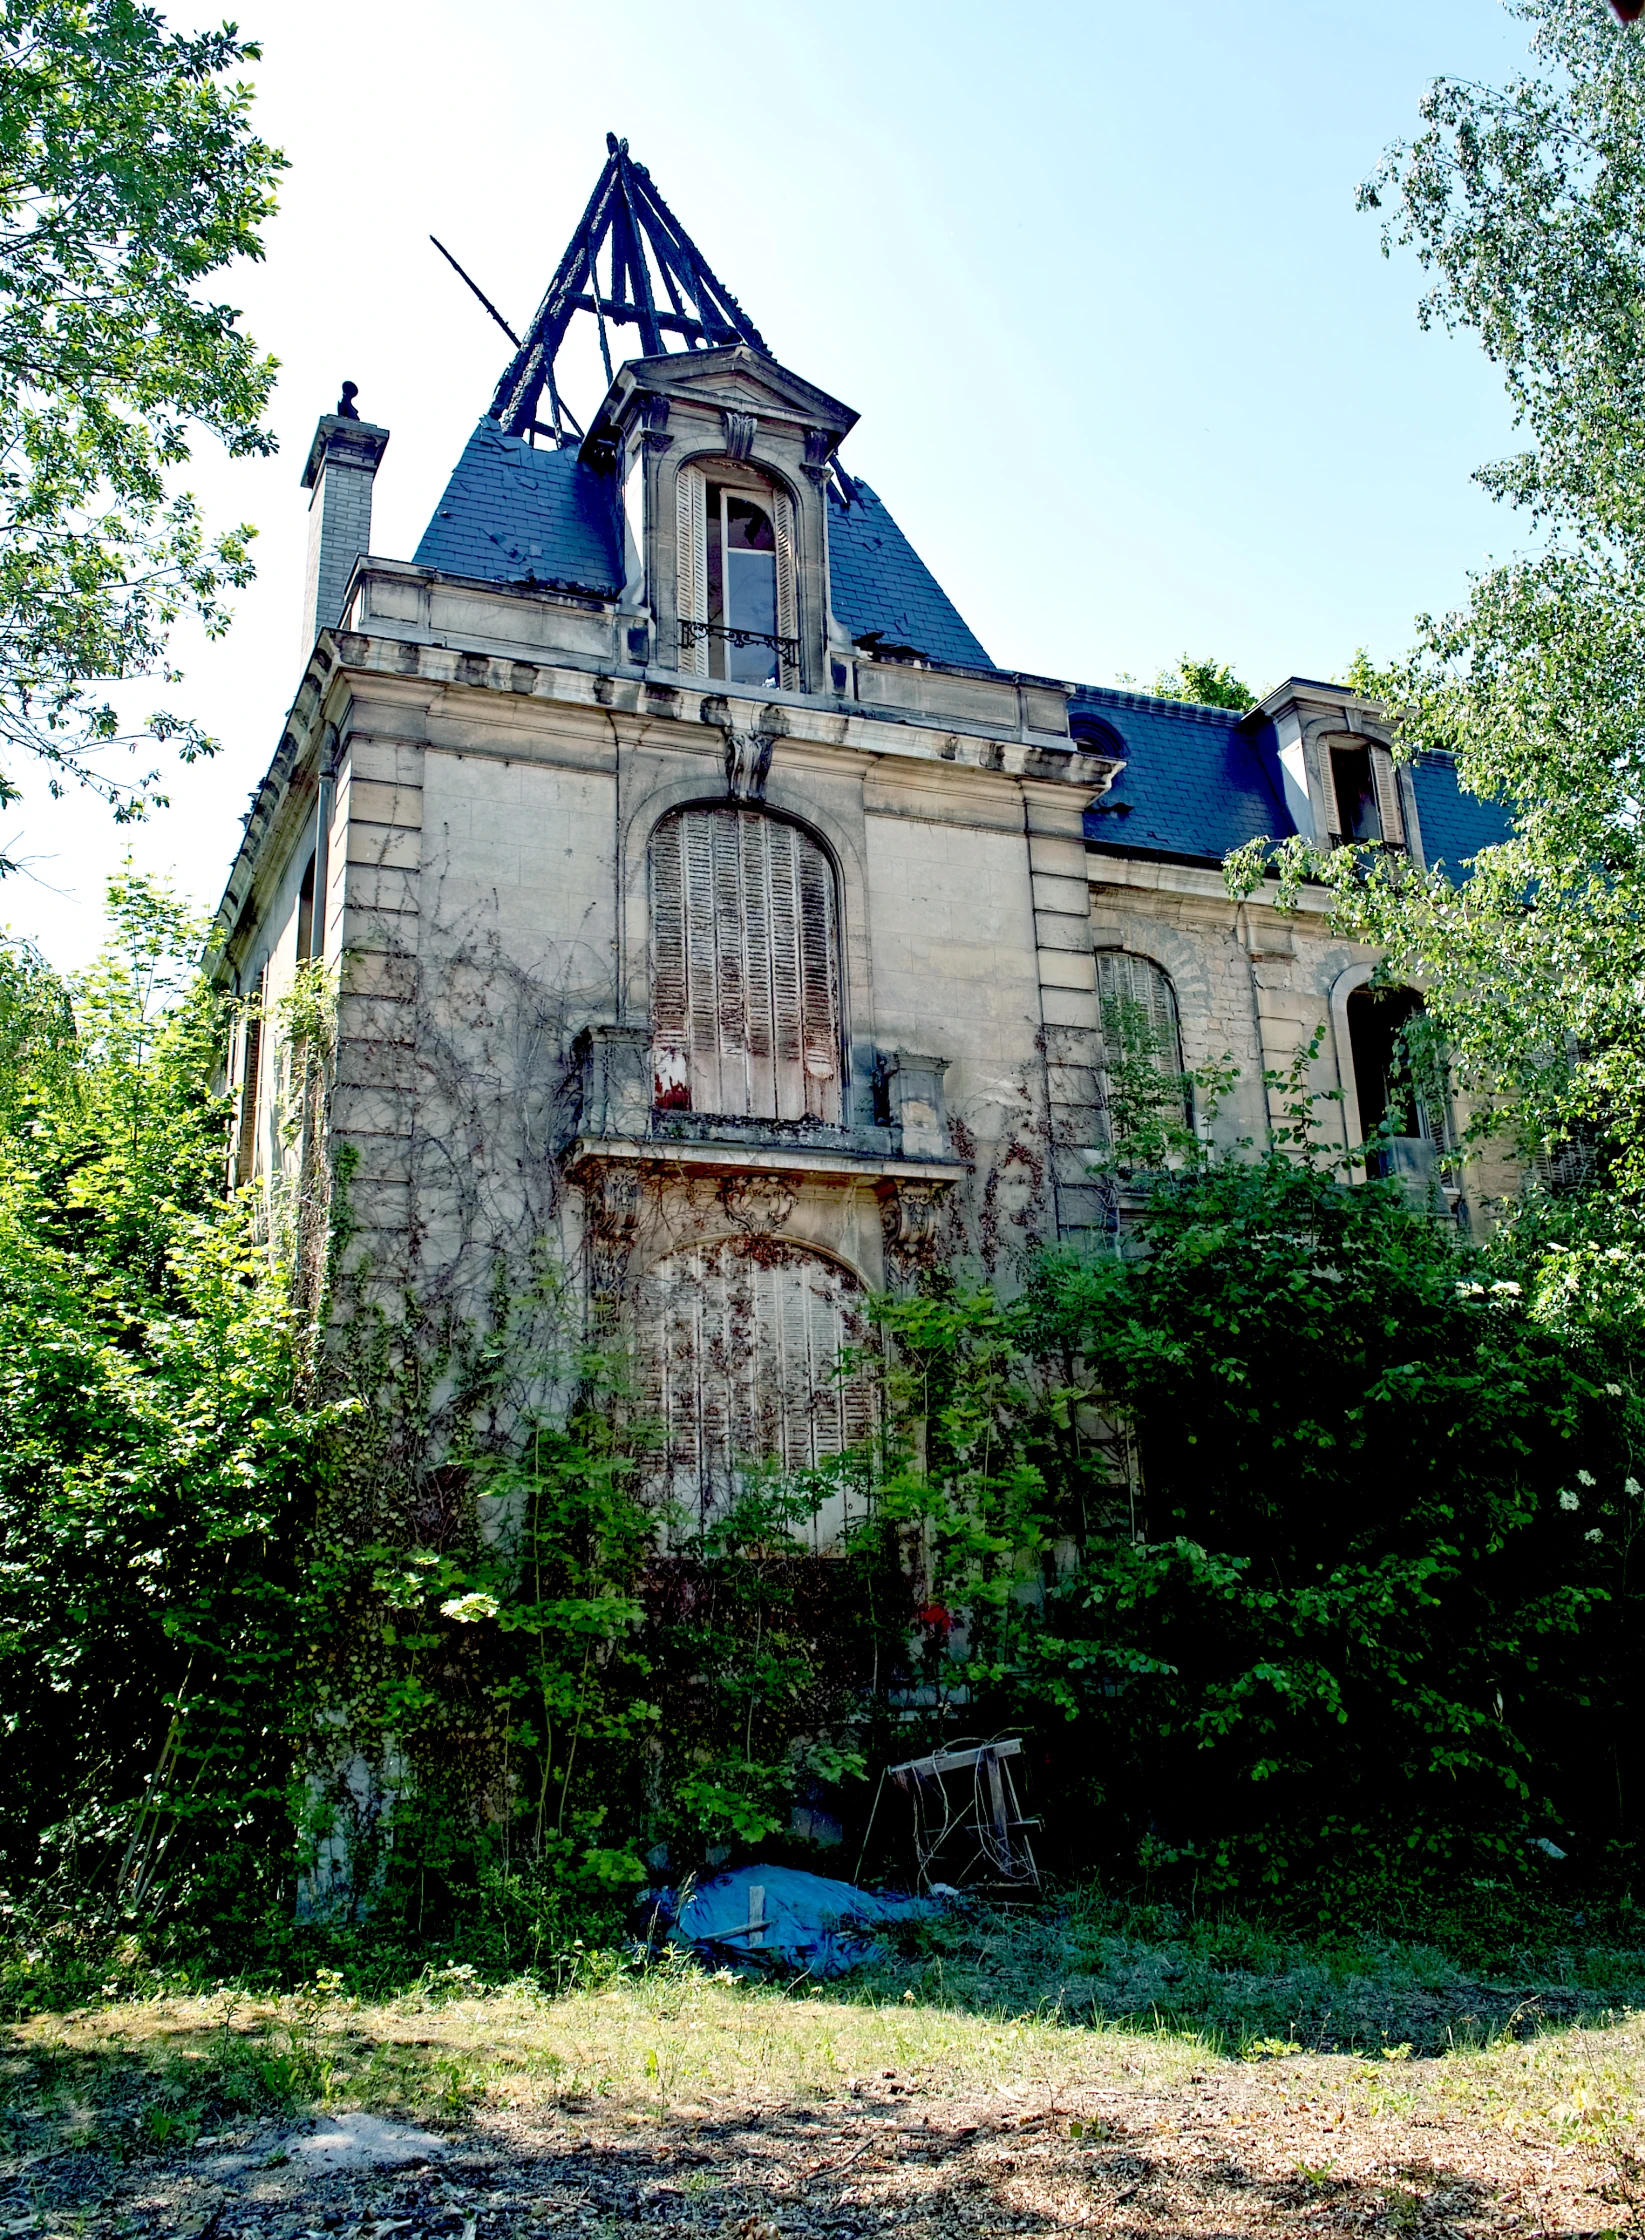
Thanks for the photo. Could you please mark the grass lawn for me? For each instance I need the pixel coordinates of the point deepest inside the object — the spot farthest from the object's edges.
(1002, 2075)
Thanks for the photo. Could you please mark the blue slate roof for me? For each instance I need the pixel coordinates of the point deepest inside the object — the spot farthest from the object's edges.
(1455, 825)
(881, 587)
(1194, 784)
(514, 515)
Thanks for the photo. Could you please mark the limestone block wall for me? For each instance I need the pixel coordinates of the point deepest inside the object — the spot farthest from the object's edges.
(490, 900)
(1252, 985)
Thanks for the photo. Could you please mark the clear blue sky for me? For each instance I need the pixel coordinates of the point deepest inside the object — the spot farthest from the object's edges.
(1133, 375)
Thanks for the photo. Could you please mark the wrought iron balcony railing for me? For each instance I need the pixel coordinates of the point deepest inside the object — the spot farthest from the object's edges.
(787, 650)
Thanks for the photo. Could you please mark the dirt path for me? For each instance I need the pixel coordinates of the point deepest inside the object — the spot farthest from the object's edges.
(1236, 2149)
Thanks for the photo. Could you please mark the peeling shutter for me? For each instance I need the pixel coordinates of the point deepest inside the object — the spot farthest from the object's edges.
(1386, 780)
(670, 1013)
(787, 1018)
(745, 968)
(251, 1079)
(819, 994)
(741, 1349)
(1322, 785)
(788, 604)
(691, 522)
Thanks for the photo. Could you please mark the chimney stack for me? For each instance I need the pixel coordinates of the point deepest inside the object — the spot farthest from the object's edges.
(342, 465)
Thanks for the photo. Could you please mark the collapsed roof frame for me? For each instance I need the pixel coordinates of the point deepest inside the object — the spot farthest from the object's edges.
(657, 279)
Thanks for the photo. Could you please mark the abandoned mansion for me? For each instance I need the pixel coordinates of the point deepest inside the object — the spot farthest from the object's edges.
(713, 917)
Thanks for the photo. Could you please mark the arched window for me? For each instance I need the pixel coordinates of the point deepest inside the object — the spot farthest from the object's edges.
(1396, 1080)
(1138, 1009)
(740, 1342)
(745, 1004)
(738, 608)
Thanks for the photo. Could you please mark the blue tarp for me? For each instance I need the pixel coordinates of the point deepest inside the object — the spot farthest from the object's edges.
(808, 1920)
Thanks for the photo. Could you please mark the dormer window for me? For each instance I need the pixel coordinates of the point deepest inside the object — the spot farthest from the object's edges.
(736, 580)
(1361, 805)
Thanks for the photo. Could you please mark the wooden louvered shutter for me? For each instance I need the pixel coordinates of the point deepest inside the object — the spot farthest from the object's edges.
(691, 564)
(1127, 979)
(819, 990)
(740, 1357)
(1385, 778)
(788, 602)
(787, 1015)
(670, 1006)
(251, 1077)
(759, 1050)
(701, 977)
(1322, 785)
(1123, 978)
(745, 968)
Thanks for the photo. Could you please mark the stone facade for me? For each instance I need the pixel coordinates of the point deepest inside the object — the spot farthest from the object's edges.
(578, 852)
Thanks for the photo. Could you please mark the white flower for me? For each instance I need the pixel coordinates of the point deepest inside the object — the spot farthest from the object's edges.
(1596, 1534)
(1470, 1291)
(1615, 1391)
(1630, 1485)
(1506, 1290)
(1584, 1478)
(467, 1609)
(1569, 1500)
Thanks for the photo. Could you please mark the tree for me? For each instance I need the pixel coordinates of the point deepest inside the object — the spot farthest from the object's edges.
(1526, 207)
(128, 175)
(1208, 683)
(156, 1458)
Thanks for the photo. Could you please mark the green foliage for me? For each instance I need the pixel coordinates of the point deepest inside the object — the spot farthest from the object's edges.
(1207, 683)
(128, 176)
(154, 1455)
(1295, 1538)
(1522, 204)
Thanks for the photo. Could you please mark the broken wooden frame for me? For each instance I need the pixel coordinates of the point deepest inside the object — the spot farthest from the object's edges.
(968, 1834)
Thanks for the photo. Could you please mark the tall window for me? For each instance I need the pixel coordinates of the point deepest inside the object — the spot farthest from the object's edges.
(1357, 813)
(736, 581)
(1364, 804)
(1138, 1009)
(745, 1004)
(740, 1348)
(1396, 1079)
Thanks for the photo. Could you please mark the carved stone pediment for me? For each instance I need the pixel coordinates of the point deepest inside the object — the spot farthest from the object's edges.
(737, 380)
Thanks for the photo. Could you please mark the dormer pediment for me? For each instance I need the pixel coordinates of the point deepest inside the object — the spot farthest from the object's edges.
(729, 380)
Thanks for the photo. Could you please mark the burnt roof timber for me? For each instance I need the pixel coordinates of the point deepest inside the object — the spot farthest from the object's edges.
(629, 218)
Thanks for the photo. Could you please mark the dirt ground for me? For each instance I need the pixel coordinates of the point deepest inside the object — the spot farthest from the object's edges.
(598, 2114)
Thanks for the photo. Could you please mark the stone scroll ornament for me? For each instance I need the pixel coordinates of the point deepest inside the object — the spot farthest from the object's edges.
(757, 1203)
(747, 764)
(614, 1212)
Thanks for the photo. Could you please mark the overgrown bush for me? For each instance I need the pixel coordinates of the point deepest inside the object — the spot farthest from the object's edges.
(1294, 1539)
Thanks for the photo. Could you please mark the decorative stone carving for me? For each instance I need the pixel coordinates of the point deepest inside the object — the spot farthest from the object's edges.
(747, 764)
(615, 1191)
(819, 446)
(740, 431)
(757, 1204)
(910, 1216)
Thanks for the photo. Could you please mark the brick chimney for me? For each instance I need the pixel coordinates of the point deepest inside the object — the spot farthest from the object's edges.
(342, 465)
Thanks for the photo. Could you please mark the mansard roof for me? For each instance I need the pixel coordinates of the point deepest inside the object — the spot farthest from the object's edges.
(1455, 825)
(883, 591)
(1198, 782)
(511, 514)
